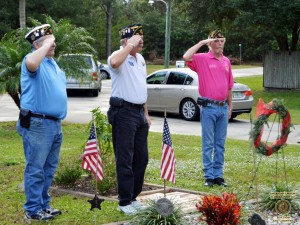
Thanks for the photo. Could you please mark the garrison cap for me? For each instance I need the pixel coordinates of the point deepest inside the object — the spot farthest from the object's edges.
(130, 30)
(38, 32)
(215, 34)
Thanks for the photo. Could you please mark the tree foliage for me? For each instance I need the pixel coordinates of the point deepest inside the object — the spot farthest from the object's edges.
(256, 25)
(280, 18)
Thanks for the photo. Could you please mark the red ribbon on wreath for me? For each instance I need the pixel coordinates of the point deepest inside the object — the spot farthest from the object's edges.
(263, 111)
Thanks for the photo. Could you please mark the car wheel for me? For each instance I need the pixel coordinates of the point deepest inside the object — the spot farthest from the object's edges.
(95, 93)
(189, 110)
(104, 75)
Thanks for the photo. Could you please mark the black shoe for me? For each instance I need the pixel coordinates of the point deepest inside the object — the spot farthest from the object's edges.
(39, 216)
(209, 182)
(220, 182)
(52, 212)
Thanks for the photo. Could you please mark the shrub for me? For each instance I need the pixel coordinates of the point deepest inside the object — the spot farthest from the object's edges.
(68, 174)
(234, 60)
(219, 210)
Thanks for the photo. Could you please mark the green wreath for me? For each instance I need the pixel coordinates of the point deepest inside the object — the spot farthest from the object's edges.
(263, 111)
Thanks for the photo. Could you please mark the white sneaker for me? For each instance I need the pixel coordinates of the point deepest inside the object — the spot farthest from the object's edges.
(128, 209)
(137, 205)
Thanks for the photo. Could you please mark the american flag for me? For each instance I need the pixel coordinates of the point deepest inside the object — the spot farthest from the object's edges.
(91, 158)
(168, 161)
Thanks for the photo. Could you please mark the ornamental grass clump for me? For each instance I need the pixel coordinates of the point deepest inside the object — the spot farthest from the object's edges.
(159, 212)
(219, 210)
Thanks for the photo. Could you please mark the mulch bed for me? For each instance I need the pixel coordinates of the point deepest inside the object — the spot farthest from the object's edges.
(87, 184)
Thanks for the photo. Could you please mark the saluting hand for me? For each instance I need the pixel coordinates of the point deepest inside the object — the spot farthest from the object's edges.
(49, 40)
(207, 41)
(135, 40)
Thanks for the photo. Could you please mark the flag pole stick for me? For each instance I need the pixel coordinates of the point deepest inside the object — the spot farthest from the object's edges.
(165, 114)
(164, 188)
(254, 166)
(93, 122)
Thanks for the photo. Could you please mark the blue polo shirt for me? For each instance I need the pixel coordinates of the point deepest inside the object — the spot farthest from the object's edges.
(44, 91)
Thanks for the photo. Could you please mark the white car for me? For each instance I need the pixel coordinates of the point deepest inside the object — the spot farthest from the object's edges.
(176, 91)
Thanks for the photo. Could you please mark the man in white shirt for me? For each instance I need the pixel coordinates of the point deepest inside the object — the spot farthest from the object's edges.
(129, 117)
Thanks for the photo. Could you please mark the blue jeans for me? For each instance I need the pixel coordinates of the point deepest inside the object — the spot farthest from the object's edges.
(129, 131)
(41, 143)
(214, 121)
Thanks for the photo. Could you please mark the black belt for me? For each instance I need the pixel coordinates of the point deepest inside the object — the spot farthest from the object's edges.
(43, 116)
(218, 103)
(129, 104)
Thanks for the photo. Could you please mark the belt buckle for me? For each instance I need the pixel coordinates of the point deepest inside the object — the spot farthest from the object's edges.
(221, 103)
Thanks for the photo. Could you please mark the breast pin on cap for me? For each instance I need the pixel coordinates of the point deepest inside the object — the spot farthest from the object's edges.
(38, 32)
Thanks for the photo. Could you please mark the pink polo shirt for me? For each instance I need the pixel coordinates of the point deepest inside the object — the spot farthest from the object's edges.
(214, 76)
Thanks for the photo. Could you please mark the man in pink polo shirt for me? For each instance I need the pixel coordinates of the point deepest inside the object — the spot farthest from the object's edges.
(215, 83)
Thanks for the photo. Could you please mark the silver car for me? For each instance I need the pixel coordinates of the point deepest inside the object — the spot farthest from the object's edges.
(176, 91)
(104, 70)
(88, 77)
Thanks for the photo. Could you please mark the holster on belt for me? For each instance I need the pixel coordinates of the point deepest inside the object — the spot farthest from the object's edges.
(24, 117)
(202, 101)
(116, 102)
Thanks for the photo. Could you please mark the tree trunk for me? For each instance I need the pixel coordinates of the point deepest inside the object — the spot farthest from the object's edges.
(282, 42)
(295, 36)
(109, 15)
(22, 13)
(15, 97)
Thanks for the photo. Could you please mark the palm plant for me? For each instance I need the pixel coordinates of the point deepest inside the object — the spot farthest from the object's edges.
(12, 52)
(14, 47)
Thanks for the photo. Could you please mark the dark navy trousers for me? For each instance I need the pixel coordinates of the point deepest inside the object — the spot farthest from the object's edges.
(130, 132)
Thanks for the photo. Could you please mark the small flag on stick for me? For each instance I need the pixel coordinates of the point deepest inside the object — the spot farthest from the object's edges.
(168, 161)
(91, 158)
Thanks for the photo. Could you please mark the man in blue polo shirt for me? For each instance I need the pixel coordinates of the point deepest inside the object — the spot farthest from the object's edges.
(129, 117)
(43, 106)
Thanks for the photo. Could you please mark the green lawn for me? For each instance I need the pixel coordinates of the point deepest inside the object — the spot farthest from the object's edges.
(290, 97)
(238, 173)
(239, 169)
(151, 68)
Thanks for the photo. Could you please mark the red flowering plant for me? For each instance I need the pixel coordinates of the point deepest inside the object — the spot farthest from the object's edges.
(219, 210)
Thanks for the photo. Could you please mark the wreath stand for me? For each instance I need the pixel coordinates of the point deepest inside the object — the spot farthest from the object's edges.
(263, 111)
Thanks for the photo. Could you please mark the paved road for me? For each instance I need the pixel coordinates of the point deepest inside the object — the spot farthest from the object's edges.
(79, 107)
(247, 72)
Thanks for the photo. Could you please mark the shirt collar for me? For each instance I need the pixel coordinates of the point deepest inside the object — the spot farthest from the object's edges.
(211, 55)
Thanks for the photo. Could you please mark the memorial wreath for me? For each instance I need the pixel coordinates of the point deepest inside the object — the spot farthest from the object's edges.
(263, 111)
